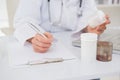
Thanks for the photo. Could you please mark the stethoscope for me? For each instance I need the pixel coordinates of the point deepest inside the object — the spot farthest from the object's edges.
(56, 23)
(80, 3)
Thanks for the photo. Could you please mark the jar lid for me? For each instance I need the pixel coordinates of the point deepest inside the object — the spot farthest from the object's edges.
(89, 36)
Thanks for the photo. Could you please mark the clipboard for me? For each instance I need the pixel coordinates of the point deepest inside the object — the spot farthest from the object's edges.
(19, 54)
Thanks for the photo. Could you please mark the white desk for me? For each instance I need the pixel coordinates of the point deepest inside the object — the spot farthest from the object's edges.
(72, 70)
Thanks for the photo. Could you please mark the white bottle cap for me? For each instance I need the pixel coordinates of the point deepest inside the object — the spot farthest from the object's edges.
(89, 36)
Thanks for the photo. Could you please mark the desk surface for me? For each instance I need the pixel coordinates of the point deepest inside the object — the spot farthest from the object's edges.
(71, 70)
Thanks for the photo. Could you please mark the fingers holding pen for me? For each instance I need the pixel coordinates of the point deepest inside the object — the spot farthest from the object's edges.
(40, 43)
(49, 36)
(46, 40)
(39, 49)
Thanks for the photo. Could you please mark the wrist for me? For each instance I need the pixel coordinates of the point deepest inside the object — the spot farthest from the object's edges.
(85, 30)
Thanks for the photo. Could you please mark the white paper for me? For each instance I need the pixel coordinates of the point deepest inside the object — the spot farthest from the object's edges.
(19, 54)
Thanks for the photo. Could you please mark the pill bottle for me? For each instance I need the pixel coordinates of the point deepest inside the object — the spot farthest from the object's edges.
(88, 47)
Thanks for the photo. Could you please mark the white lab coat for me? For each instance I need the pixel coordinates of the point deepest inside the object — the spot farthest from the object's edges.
(60, 15)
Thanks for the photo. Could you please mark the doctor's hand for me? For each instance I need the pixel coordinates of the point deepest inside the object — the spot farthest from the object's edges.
(98, 29)
(41, 44)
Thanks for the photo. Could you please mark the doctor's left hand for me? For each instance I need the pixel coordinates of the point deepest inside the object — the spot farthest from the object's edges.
(41, 44)
(99, 29)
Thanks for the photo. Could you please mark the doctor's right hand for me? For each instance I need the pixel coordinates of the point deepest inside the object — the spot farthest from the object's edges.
(41, 44)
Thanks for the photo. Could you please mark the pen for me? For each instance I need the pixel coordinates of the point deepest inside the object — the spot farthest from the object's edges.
(46, 60)
(37, 30)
